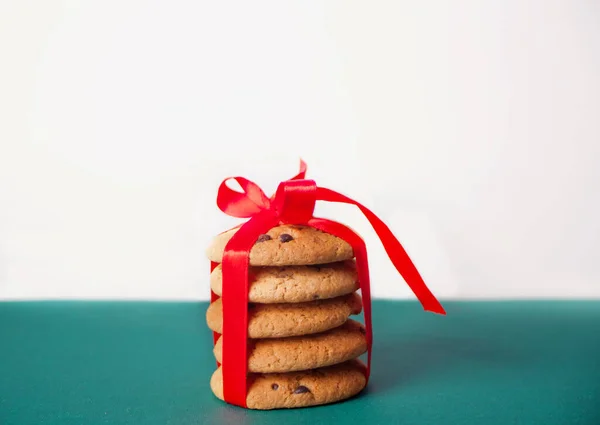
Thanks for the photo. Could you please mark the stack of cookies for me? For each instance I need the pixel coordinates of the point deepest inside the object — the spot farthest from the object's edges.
(303, 348)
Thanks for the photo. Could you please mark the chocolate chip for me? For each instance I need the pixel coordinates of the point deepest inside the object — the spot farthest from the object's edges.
(264, 237)
(250, 306)
(362, 330)
(274, 386)
(316, 297)
(301, 390)
(284, 237)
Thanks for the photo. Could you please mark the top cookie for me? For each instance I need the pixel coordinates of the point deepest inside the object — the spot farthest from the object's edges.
(288, 245)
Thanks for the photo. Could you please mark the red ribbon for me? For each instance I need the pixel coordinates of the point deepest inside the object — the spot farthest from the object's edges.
(293, 203)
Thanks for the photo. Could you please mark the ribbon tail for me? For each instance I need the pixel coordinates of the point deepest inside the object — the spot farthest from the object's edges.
(302, 173)
(395, 251)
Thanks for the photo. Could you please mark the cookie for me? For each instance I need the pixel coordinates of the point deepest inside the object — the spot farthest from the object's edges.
(295, 284)
(288, 245)
(272, 355)
(282, 320)
(300, 389)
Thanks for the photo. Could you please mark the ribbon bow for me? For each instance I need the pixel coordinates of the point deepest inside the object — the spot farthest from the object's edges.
(293, 203)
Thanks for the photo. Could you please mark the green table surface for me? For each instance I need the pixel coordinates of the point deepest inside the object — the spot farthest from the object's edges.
(150, 363)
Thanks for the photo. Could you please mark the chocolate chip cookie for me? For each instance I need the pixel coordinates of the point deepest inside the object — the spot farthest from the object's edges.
(300, 389)
(283, 320)
(293, 284)
(272, 355)
(288, 245)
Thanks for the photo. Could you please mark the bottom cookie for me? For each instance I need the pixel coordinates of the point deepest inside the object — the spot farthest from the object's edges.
(300, 389)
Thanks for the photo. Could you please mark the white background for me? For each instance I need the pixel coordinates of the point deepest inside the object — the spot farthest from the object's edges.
(472, 128)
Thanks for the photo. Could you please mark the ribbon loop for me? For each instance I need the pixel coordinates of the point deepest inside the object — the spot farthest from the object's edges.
(242, 205)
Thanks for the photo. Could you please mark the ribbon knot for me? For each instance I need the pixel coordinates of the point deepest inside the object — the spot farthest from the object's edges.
(295, 200)
(293, 203)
